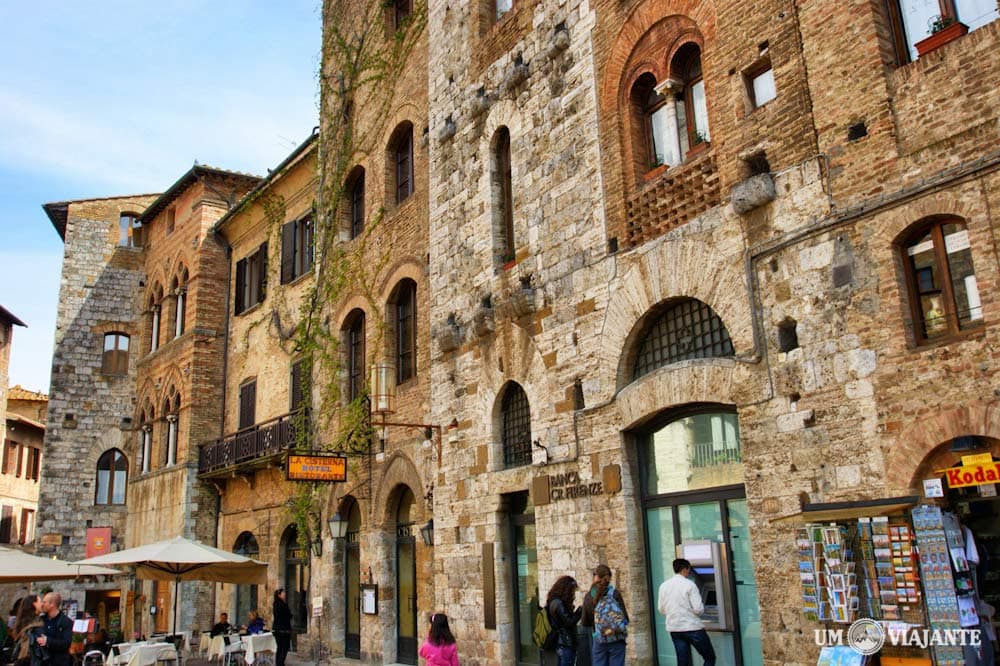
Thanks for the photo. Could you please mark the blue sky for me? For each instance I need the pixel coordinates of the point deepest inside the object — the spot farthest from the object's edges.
(119, 97)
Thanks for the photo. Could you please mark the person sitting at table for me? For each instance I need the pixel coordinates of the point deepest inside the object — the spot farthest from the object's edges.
(255, 623)
(99, 640)
(222, 626)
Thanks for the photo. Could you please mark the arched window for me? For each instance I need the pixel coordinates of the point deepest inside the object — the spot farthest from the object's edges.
(114, 360)
(401, 153)
(112, 475)
(944, 293)
(404, 305)
(171, 411)
(515, 435)
(354, 333)
(685, 330)
(179, 289)
(356, 200)
(689, 94)
(671, 114)
(146, 440)
(503, 196)
(246, 595)
(155, 301)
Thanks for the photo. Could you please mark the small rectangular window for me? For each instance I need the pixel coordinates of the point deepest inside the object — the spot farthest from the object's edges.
(503, 6)
(114, 360)
(129, 229)
(170, 221)
(401, 11)
(762, 88)
(300, 385)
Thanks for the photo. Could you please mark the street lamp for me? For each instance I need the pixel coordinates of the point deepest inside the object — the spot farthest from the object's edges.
(427, 533)
(338, 526)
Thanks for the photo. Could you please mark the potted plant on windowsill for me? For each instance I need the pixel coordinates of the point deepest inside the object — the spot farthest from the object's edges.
(699, 144)
(943, 30)
(656, 167)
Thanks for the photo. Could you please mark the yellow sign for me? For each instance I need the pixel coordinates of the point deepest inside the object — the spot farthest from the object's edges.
(50, 540)
(972, 475)
(978, 459)
(316, 468)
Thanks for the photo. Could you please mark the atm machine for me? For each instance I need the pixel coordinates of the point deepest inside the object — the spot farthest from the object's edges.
(710, 566)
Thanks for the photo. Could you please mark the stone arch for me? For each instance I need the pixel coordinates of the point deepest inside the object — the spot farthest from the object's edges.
(906, 453)
(693, 268)
(171, 377)
(399, 470)
(522, 362)
(404, 267)
(112, 438)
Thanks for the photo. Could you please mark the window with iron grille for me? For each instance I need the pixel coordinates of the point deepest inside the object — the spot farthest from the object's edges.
(685, 330)
(516, 434)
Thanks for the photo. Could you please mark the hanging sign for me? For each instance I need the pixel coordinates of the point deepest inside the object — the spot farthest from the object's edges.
(98, 541)
(933, 488)
(316, 468)
(972, 475)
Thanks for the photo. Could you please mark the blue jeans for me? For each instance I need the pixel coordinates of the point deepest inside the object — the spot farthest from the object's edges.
(608, 654)
(567, 656)
(685, 640)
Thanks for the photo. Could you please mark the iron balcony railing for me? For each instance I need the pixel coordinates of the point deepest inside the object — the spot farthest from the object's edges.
(258, 441)
(711, 453)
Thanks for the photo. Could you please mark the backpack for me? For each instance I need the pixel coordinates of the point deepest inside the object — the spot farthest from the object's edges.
(543, 636)
(610, 624)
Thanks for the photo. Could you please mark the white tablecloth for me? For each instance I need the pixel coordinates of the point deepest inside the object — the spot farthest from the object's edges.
(143, 654)
(218, 647)
(255, 644)
(205, 644)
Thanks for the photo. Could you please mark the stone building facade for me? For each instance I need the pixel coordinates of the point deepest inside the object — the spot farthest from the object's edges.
(91, 409)
(21, 466)
(7, 323)
(719, 305)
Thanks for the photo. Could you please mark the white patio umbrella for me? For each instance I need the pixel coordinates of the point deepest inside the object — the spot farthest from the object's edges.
(180, 559)
(16, 566)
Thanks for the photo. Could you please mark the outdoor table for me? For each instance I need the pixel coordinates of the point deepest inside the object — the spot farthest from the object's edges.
(145, 654)
(222, 644)
(205, 644)
(120, 653)
(257, 645)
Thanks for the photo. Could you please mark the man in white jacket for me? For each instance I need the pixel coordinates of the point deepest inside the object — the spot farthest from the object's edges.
(680, 603)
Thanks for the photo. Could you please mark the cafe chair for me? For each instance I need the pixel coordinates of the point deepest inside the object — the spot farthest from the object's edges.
(93, 658)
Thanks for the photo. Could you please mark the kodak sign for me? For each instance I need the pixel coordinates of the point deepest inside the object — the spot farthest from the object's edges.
(972, 475)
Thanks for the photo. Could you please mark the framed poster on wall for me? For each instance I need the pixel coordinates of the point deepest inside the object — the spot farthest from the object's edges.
(369, 599)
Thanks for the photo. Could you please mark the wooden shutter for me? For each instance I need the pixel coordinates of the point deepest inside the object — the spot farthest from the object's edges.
(6, 458)
(296, 387)
(248, 404)
(17, 458)
(262, 275)
(241, 284)
(26, 516)
(36, 463)
(6, 518)
(288, 253)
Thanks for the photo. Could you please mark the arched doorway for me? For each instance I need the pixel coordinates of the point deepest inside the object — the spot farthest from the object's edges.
(406, 580)
(692, 490)
(352, 581)
(296, 578)
(246, 595)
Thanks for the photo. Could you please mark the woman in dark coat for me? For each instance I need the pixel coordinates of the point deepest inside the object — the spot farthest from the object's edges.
(281, 626)
(564, 618)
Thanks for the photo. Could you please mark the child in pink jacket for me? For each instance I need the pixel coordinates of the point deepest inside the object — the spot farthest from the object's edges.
(439, 646)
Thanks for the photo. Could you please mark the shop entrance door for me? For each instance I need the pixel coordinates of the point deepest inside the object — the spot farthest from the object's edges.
(722, 519)
(406, 582)
(352, 585)
(524, 559)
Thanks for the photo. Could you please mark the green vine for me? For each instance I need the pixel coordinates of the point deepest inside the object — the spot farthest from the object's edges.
(362, 63)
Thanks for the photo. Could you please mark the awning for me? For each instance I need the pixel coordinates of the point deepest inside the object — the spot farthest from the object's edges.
(832, 512)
